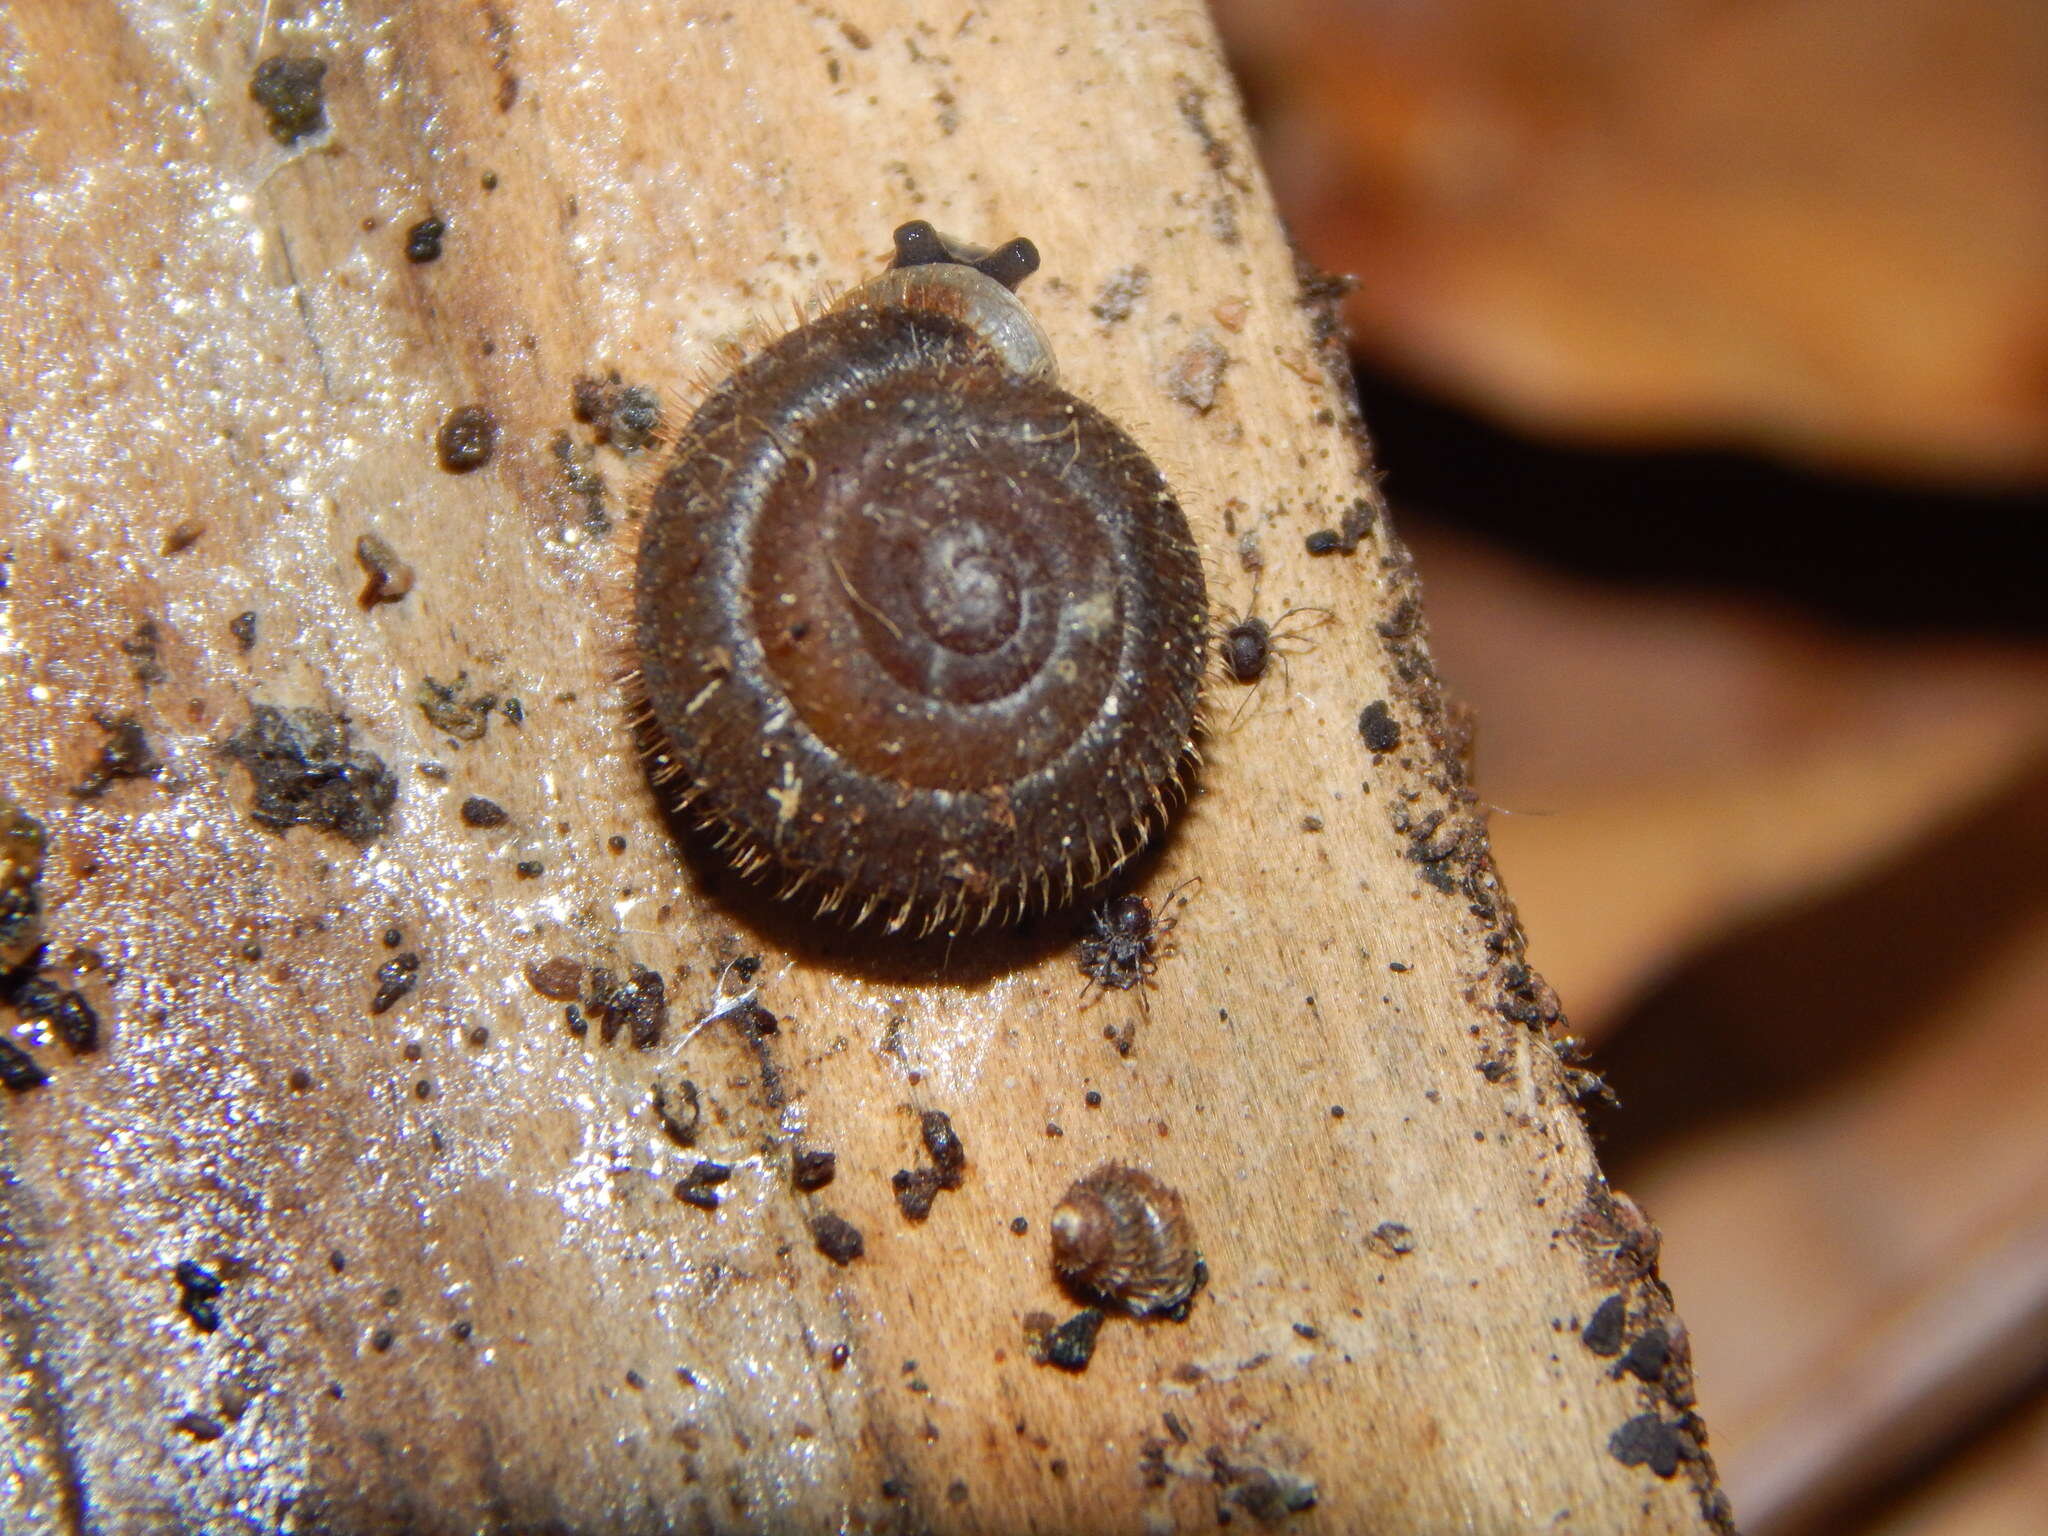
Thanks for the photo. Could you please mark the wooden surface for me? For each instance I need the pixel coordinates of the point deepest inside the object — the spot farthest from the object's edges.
(458, 1293)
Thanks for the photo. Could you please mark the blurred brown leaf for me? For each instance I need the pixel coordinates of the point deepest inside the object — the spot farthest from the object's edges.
(1816, 227)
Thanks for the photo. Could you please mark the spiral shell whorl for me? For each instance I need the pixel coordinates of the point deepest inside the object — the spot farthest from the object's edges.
(917, 630)
(1121, 1235)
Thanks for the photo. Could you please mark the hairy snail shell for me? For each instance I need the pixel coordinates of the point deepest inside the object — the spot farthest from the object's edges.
(919, 632)
(1121, 1236)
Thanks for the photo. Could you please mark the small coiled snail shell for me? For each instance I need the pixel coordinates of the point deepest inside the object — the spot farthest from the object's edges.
(918, 630)
(1121, 1236)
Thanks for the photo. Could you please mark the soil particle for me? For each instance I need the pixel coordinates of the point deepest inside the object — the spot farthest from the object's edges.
(639, 1005)
(1195, 376)
(1390, 1240)
(681, 1117)
(1376, 723)
(942, 1142)
(479, 812)
(1120, 294)
(125, 754)
(1648, 1441)
(1359, 519)
(387, 578)
(1071, 1345)
(423, 240)
(624, 415)
(1602, 1333)
(1647, 1354)
(455, 709)
(467, 439)
(584, 484)
(699, 1187)
(68, 1014)
(290, 90)
(916, 1189)
(141, 649)
(837, 1238)
(812, 1168)
(18, 1069)
(395, 977)
(307, 774)
(198, 1289)
(243, 627)
(23, 846)
(559, 978)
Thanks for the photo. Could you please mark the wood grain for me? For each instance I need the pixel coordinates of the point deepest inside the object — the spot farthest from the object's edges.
(458, 1293)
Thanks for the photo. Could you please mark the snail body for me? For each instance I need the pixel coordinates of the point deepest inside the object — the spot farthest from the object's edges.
(919, 632)
(1121, 1236)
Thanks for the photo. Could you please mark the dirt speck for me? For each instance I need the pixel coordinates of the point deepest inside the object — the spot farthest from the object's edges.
(699, 1187)
(680, 1117)
(243, 628)
(125, 754)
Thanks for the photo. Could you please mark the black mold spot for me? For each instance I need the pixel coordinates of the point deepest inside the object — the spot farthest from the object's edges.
(306, 774)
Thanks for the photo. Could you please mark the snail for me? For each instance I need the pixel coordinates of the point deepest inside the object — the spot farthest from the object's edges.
(919, 632)
(1120, 1236)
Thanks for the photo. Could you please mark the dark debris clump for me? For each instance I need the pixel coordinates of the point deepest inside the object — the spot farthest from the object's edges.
(307, 774)
(291, 91)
